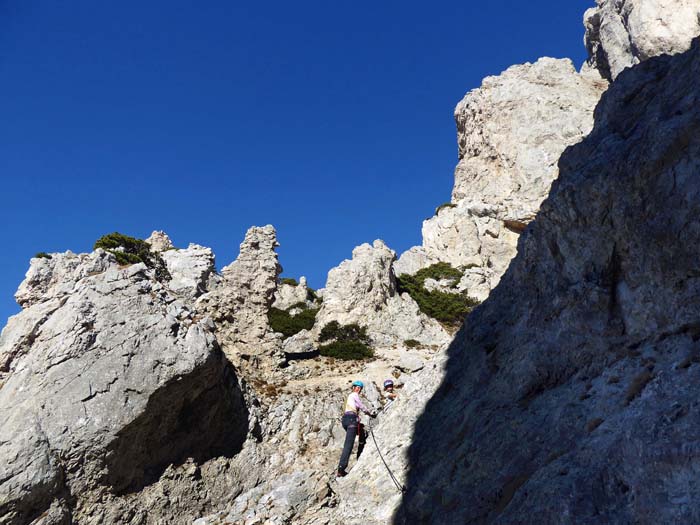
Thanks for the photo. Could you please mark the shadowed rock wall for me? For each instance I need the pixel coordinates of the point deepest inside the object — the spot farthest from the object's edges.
(571, 395)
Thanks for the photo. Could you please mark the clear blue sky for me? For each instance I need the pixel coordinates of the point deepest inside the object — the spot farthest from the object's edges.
(331, 120)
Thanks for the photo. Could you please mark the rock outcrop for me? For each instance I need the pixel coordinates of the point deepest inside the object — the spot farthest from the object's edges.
(240, 302)
(570, 394)
(287, 295)
(159, 241)
(106, 374)
(511, 132)
(363, 290)
(622, 34)
(190, 270)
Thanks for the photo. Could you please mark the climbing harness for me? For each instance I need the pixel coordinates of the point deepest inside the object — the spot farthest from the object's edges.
(398, 484)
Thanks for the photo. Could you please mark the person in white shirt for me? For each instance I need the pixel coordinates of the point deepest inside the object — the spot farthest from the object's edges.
(352, 426)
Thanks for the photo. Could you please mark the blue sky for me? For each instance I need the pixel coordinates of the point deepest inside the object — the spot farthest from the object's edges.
(331, 120)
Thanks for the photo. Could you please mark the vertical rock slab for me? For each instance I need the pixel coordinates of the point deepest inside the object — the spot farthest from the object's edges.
(190, 270)
(240, 302)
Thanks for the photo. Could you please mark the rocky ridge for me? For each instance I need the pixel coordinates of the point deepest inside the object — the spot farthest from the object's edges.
(128, 358)
(363, 290)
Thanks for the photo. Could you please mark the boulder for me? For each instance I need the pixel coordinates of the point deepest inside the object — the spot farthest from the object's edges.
(106, 378)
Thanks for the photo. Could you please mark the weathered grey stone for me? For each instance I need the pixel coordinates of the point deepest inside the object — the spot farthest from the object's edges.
(622, 34)
(511, 132)
(368, 495)
(413, 260)
(240, 302)
(159, 241)
(363, 291)
(105, 376)
(288, 295)
(56, 277)
(190, 270)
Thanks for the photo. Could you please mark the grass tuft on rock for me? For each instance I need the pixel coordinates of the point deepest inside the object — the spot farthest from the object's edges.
(42, 255)
(289, 280)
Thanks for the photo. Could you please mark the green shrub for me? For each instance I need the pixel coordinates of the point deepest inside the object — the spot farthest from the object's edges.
(311, 295)
(301, 304)
(348, 341)
(334, 331)
(346, 350)
(443, 206)
(437, 271)
(411, 343)
(42, 255)
(282, 322)
(129, 250)
(289, 280)
(448, 308)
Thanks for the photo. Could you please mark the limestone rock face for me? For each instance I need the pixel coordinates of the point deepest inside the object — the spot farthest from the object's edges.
(571, 393)
(368, 495)
(472, 237)
(240, 302)
(159, 241)
(363, 291)
(299, 446)
(413, 260)
(190, 270)
(105, 374)
(622, 34)
(56, 277)
(288, 295)
(511, 132)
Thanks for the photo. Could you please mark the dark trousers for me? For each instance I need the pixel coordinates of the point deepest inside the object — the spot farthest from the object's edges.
(352, 428)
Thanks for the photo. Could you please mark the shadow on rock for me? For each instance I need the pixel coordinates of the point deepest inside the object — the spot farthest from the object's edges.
(570, 394)
(201, 415)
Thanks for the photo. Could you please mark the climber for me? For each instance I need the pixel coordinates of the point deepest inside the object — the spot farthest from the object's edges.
(389, 393)
(352, 426)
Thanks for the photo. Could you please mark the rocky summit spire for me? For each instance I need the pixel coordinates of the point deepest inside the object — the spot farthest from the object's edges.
(241, 300)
